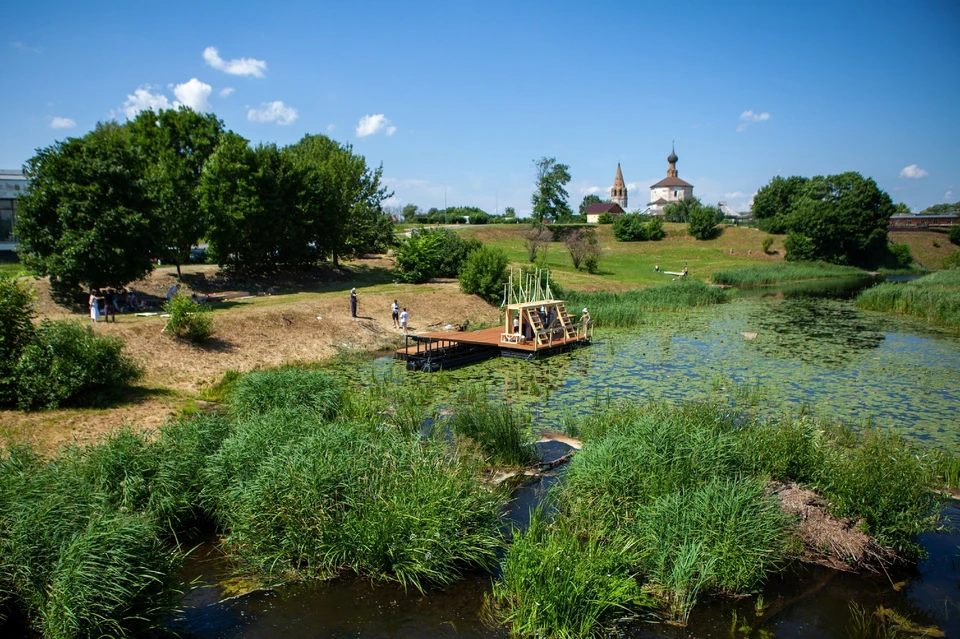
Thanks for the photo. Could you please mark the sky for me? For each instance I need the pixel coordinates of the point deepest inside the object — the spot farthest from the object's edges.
(457, 99)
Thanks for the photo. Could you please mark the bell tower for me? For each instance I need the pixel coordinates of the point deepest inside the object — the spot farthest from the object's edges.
(618, 192)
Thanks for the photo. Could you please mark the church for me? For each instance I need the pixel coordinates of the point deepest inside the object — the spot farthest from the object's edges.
(670, 189)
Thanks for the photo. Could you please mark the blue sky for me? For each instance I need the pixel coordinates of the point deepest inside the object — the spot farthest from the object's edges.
(459, 98)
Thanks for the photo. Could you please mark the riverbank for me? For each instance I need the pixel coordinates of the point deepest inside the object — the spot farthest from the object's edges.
(934, 297)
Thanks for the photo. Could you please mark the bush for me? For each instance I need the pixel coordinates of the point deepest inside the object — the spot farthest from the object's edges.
(485, 273)
(955, 234)
(430, 253)
(16, 331)
(655, 230)
(703, 223)
(289, 389)
(584, 248)
(69, 364)
(605, 218)
(767, 243)
(630, 228)
(188, 320)
(900, 252)
(800, 248)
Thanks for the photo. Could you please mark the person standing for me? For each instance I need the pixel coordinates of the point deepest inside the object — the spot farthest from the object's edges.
(395, 314)
(404, 317)
(585, 318)
(353, 302)
(93, 302)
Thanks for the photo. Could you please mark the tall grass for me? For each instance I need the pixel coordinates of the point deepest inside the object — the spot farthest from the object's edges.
(502, 433)
(558, 582)
(287, 388)
(934, 297)
(632, 308)
(783, 272)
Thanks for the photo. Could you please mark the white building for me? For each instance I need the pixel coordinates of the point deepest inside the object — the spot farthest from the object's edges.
(670, 189)
(13, 184)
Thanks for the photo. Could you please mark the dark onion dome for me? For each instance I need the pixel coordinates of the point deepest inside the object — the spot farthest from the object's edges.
(672, 158)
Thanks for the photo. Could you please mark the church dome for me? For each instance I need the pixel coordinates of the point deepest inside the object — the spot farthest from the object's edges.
(672, 158)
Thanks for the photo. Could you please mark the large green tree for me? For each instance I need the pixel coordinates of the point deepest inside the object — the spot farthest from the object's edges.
(177, 142)
(681, 210)
(86, 220)
(775, 198)
(549, 198)
(587, 201)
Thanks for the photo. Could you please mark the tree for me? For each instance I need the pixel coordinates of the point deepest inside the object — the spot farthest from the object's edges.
(538, 241)
(630, 228)
(681, 210)
(703, 223)
(16, 331)
(410, 212)
(509, 212)
(177, 142)
(587, 201)
(775, 198)
(584, 248)
(485, 273)
(940, 209)
(955, 234)
(85, 218)
(550, 197)
(418, 256)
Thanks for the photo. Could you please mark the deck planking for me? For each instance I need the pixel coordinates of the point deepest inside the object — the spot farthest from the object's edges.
(483, 337)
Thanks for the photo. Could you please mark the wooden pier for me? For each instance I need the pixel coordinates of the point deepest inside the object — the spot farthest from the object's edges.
(530, 330)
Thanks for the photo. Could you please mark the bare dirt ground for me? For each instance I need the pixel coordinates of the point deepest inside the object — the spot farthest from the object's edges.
(306, 320)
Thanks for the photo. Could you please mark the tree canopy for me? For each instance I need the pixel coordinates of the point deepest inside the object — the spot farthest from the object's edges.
(549, 198)
(839, 218)
(587, 201)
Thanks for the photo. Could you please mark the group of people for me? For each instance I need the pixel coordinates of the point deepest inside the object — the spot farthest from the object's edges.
(106, 303)
(400, 317)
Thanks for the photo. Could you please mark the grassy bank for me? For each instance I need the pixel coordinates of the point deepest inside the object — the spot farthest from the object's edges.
(632, 308)
(664, 505)
(783, 272)
(934, 297)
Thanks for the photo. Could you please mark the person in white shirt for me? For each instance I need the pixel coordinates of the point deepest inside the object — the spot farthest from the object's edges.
(395, 314)
(404, 316)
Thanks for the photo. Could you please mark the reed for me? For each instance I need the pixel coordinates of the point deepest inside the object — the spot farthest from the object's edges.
(632, 308)
(557, 582)
(287, 388)
(783, 272)
(501, 432)
(934, 298)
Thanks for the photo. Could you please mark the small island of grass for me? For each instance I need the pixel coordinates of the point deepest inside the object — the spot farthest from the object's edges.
(784, 272)
(934, 297)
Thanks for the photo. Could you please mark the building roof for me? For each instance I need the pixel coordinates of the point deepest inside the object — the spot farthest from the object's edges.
(671, 181)
(605, 207)
(618, 180)
(921, 217)
(660, 201)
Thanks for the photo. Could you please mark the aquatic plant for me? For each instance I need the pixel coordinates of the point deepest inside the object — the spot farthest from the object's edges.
(376, 502)
(632, 308)
(557, 581)
(783, 272)
(934, 297)
(503, 433)
(288, 388)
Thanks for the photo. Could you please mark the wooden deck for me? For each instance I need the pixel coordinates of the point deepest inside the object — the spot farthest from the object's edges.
(485, 337)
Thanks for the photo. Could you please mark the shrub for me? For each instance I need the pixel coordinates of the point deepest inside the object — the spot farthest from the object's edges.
(767, 243)
(900, 252)
(955, 234)
(800, 248)
(703, 223)
(655, 230)
(537, 239)
(605, 218)
(16, 331)
(584, 248)
(430, 253)
(631, 228)
(69, 364)
(188, 320)
(290, 389)
(485, 273)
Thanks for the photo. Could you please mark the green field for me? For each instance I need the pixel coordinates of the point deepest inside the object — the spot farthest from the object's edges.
(630, 264)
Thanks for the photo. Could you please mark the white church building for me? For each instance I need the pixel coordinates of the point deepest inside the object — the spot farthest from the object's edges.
(669, 189)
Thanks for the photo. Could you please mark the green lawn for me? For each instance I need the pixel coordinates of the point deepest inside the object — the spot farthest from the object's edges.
(14, 269)
(630, 264)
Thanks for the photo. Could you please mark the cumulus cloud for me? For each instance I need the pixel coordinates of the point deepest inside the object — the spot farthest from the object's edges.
(226, 92)
(62, 123)
(275, 111)
(194, 94)
(143, 99)
(331, 128)
(237, 66)
(370, 124)
(913, 171)
(592, 190)
(748, 117)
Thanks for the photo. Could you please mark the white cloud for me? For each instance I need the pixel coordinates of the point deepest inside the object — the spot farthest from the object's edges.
(23, 47)
(62, 123)
(913, 171)
(237, 66)
(370, 124)
(734, 195)
(592, 190)
(275, 111)
(194, 94)
(331, 128)
(226, 92)
(143, 100)
(948, 195)
(748, 117)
